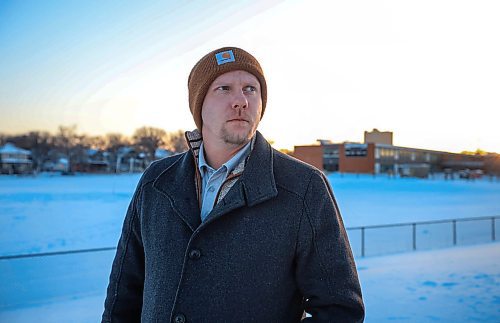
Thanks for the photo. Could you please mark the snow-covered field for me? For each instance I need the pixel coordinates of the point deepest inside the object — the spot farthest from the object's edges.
(52, 213)
(448, 285)
(367, 200)
(58, 213)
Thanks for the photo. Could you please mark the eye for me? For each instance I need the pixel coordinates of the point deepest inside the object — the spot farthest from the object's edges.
(222, 88)
(250, 88)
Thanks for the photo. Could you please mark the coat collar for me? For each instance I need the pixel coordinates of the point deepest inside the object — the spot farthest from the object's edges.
(177, 183)
(256, 185)
(258, 177)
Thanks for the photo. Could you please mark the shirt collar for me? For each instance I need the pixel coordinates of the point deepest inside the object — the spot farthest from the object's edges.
(229, 165)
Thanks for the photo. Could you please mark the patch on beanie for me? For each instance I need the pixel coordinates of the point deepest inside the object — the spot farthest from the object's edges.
(224, 57)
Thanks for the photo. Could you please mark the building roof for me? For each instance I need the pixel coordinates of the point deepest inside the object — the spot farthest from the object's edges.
(161, 153)
(421, 150)
(10, 148)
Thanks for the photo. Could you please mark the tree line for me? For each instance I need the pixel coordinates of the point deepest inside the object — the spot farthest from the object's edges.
(68, 143)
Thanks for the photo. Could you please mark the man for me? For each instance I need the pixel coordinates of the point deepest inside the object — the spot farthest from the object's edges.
(232, 230)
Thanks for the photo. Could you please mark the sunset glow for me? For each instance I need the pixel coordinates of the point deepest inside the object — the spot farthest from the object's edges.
(427, 70)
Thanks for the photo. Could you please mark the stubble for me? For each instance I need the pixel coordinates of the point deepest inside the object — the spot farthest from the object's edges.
(236, 138)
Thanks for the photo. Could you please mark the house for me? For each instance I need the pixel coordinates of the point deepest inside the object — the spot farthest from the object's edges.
(129, 160)
(162, 153)
(15, 160)
(93, 161)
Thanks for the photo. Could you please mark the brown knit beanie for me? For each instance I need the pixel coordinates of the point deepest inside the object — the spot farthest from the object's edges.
(213, 65)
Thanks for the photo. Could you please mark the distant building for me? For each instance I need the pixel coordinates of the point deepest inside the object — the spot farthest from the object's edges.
(61, 165)
(130, 160)
(94, 161)
(378, 137)
(14, 160)
(313, 155)
(377, 158)
(162, 153)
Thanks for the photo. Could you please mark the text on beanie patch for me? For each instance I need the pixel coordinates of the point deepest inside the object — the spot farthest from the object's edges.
(224, 57)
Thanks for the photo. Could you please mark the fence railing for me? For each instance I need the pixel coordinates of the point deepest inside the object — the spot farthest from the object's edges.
(34, 278)
(55, 253)
(391, 238)
(384, 238)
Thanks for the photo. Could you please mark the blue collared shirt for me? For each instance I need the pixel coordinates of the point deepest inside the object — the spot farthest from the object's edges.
(211, 179)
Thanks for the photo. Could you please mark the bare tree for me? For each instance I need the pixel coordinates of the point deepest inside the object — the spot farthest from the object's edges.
(40, 143)
(176, 141)
(65, 140)
(492, 164)
(68, 143)
(95, 142)
(3, 139)
(115, 141)
(148, 139)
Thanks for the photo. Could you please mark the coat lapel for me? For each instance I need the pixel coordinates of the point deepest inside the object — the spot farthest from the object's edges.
(258, 177)
(177, 183)
(255, 185)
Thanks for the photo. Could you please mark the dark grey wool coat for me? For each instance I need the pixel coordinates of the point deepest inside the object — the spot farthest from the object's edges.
(273, 247)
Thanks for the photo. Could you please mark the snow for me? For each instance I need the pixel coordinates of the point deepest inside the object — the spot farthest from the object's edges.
(51, 213)
(447, 285)
(89, 209)
(15, 161)
(10, 148)
(75, 310)
(368, 200)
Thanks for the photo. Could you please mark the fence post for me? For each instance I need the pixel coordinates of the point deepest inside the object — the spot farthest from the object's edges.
(362, 241)
(493, 229)
(454, 232)
(414, 225)
(484, 219)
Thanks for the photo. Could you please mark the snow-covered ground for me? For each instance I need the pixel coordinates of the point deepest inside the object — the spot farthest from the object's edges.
(58, 213)
(52, 213)
(448, 285)
(367, 200)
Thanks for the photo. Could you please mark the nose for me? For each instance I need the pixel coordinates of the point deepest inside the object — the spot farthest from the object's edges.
(240, 101)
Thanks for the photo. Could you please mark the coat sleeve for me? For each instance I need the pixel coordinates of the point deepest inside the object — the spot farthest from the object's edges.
(325, 269)
(126, 282)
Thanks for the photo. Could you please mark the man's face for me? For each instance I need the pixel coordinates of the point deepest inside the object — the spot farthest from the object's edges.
(232, 108)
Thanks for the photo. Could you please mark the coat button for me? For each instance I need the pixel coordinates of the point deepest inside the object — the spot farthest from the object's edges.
(194, 254)
(179, 318)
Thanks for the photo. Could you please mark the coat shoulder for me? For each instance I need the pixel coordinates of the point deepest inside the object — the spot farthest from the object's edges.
(159, 166)
(292, 174)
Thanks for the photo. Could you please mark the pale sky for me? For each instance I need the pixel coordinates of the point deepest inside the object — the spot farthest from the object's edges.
(426, 70)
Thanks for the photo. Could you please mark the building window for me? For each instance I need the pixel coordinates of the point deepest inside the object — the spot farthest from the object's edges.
(331, 153)
(355, 150)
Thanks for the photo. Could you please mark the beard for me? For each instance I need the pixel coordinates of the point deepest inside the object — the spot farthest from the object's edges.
(237, 138)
